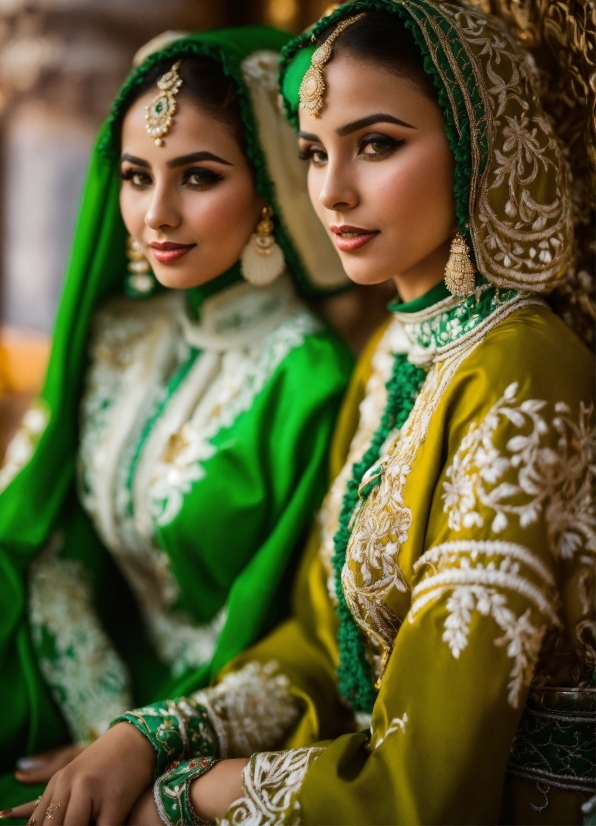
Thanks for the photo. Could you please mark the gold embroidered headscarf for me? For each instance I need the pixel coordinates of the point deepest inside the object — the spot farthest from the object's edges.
(513, 196)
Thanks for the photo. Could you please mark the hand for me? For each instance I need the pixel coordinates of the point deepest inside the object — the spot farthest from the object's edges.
(212, 794)
(145, 811)
(102, 784)
(41, 767)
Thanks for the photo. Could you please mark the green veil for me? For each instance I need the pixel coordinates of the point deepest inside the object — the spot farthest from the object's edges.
(37, 482)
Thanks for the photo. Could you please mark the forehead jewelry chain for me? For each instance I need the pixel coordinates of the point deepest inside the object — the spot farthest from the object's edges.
(161, 110)
(312, 88)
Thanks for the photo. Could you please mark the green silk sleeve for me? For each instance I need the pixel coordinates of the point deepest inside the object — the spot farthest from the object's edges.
(249, 710)
(177, 729)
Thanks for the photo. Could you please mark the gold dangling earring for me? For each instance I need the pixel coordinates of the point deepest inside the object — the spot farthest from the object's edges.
(460, 274)
(262, 259)
(140, 282)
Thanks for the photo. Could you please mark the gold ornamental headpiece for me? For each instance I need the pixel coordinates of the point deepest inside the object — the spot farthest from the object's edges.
(312, 88)
(161, 110)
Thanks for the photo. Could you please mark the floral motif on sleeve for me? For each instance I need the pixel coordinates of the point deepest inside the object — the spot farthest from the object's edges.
(550, 478)
(479, 576)
(249, 710)
(271, 782)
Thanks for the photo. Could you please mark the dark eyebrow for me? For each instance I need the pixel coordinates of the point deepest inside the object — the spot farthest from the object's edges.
(306, 136)
(137, 161)
(196, 156)
(378, 118)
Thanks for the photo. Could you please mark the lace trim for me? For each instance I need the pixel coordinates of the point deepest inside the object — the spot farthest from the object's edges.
(251, 709)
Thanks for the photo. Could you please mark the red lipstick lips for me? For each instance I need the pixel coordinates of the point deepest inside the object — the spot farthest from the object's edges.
(169, 251)
(348, 238)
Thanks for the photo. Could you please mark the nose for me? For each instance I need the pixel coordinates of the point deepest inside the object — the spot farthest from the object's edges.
(338, 191)
(162, 211)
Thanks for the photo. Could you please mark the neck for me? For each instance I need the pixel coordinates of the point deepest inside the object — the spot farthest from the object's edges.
(196, 295)
(421, 278)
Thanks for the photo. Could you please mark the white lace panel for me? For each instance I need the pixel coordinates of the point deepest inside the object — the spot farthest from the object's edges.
(251, 709)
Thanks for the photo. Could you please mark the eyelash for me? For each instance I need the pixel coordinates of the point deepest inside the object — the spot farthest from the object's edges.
(207, 177)
(391, 145)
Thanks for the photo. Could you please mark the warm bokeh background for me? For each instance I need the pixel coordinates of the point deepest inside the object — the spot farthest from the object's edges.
(61, 63)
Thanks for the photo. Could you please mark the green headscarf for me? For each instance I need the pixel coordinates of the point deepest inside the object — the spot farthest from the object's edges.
(47, 443)
(512, 184)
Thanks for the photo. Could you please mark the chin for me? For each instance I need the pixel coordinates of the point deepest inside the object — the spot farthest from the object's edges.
(364, 273)
(174, 280)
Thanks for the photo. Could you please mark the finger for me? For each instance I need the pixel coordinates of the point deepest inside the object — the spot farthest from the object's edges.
(25, 810)
(52, 810)
(41, 767)
(77, 812)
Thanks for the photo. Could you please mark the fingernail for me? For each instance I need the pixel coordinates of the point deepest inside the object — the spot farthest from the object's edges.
(6, 812)
(25, 764)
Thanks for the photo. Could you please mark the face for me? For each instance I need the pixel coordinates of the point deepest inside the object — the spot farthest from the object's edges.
(191, 203)
(381, 176)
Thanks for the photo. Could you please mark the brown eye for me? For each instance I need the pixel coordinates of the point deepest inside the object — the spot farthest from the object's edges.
(378, 146)
(137, 178)
(313, 154)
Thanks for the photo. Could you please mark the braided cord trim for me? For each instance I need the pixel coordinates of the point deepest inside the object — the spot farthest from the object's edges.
(355, 681)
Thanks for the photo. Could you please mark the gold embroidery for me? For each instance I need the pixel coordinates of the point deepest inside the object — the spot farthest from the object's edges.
(520, 218)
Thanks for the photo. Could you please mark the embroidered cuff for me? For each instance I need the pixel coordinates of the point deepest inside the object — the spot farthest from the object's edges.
(177, 730)
(171, 792)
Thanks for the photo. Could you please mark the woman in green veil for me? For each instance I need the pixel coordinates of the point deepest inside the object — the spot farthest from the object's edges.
(153, 499)
(438, 666)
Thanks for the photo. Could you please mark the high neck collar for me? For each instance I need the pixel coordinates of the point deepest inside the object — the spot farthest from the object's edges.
(437, 321)
(195, 296)
(436, 294)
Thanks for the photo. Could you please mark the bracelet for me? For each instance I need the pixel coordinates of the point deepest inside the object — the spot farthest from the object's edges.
(172, 791)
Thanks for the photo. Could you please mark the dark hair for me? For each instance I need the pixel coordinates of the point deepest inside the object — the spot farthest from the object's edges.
(204, 84)
(381, 37)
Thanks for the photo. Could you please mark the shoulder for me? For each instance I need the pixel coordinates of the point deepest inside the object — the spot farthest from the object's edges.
(313, 347)
(535, 349)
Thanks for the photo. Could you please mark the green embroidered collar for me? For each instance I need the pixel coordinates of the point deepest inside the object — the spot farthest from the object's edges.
(438, 319)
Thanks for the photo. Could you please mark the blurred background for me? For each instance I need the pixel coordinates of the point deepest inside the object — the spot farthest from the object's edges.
(61, 64)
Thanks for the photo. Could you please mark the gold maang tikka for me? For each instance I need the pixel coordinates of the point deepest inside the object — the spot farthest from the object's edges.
(312, 88)
(161, 110)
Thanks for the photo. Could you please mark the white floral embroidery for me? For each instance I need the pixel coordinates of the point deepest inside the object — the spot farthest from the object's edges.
(243, 376)
(23, 444)
(481, 585)
(250, 709)
(550, 481)
(395, 724)
(272, 781)
(129, 483)
(86, 675)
